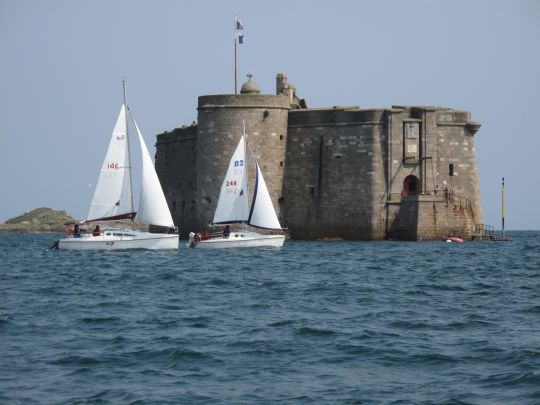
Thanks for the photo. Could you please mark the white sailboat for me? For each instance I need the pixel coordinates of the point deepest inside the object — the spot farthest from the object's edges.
(113, 200)
(233, 208)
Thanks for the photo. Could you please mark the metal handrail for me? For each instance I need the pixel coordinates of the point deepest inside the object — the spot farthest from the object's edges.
(484, 229)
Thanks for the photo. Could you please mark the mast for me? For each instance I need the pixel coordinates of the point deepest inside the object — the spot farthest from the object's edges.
(129, 154)
(246, 166)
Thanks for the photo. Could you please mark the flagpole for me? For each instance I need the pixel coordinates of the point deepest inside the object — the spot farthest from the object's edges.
(234, 38)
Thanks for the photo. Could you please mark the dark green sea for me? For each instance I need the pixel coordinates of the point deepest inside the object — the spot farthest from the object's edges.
(313, 322)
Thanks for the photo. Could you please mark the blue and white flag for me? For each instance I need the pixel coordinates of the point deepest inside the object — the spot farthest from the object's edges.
(239, 31)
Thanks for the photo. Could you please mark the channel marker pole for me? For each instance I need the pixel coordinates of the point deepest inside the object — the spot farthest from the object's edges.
(503, 207)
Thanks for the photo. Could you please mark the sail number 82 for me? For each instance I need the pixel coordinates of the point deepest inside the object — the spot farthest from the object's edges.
(238, 163)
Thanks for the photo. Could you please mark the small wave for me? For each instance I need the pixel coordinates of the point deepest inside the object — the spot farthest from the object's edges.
(219, 282)
(417, 293)
(533, 310)
(197, 321)
(172, 307)
(256, 347)
(530, 247)
(368, 334)
(113, 396)
(80, 371)
(100, 320)
(172, 353)
(171, 323)
(410, 325)
(279, 324)
(76, 361)
(431, 359)
(167, 276)
(107, 304)
(118, 339)
(485, 286)
(261, 305)
(354, 349)
(307, 331)
(512, 379)
(441, 287)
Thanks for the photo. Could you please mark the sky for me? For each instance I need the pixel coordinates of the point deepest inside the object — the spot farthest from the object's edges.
(63, 62)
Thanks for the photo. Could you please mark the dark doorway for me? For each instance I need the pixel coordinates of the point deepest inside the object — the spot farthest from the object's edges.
(410, 186)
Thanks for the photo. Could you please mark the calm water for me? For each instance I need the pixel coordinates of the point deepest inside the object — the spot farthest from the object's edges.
(380, 322)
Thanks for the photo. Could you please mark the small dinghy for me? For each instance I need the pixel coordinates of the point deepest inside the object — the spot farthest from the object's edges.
(451, 238)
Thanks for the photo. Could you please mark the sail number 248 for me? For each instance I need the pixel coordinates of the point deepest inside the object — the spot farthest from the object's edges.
(237, 163)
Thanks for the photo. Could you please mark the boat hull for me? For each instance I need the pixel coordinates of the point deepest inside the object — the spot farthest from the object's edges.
(119, 239)
(240, 240)
(454, 239)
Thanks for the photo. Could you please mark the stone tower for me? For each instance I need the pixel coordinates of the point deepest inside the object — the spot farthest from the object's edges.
(211, 144)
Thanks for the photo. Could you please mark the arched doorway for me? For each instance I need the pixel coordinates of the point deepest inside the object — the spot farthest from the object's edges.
(411, 186)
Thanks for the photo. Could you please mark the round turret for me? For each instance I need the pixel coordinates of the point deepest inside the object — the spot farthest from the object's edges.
(250, 87)
(219, 128)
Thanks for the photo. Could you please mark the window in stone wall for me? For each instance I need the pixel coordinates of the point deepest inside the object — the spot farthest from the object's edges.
(451, 169)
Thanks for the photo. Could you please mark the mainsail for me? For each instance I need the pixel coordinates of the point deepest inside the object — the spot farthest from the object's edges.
(153, 207)
(112, 197)
(232, 206)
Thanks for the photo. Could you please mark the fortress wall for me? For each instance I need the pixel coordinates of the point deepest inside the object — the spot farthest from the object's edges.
(219, 131)
(444, 137)
(340, 172)
(176, 157)
(456, 146)
(331, 172)
(428, 217)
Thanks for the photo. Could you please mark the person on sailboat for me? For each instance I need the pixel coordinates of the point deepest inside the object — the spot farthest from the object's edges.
(97, 231)
(77, 231)
(226, 232)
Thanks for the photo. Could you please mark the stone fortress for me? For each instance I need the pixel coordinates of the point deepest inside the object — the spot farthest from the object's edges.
(405, 172)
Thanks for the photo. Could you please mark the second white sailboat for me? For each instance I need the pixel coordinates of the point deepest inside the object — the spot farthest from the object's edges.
(233, 208)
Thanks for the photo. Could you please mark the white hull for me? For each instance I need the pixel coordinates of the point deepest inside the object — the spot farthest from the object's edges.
(118, 239)
(240, 240)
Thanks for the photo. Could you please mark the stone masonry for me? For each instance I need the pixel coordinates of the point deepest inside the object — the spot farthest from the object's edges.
(405, 172)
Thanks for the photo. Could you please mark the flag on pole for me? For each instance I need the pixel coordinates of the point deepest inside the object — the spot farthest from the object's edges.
(239, 38)
(239, 32)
